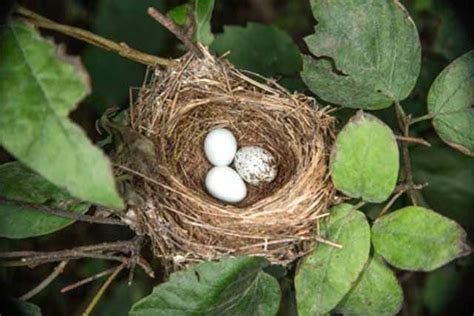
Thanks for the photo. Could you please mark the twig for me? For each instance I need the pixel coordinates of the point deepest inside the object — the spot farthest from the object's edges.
(415, 140)
(56, 272)
(102, 289)
(398, 192)
(176, 30)
(120, 48)
(62, 213)
(422, 118)
(99, 251)
(404, 123)
(87, 280)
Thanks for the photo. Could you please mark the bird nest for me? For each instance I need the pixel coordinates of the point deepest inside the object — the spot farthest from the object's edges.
(175, 110)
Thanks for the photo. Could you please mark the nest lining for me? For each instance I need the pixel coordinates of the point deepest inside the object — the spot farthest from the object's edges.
(176, 110)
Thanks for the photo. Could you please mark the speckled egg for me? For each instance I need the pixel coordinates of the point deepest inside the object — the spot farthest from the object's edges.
(255, 165)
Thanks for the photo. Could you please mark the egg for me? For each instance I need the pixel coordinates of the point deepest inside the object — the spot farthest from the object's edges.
(225, 184)
(255, 165)
(220, 147)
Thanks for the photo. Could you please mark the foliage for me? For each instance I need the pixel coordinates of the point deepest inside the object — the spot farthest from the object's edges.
(362, 56)
(233, 286)
(327, 274)
(20, 183)
(259, 48)
(364, 160)
(40, 92)
(418, 239)
(368, 53)
(376, 293)
(450, 102)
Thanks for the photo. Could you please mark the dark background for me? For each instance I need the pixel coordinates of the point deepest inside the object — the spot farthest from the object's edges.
(447, 291)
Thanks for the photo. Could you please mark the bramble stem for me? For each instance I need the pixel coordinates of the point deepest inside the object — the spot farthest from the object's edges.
(120, 48)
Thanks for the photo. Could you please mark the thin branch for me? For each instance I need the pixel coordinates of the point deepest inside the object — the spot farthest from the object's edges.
(56, 272)
(120, 48)
(100, 251)
(62, 213)
(422, 118)
(415, 140)
(399, 190)
(102, 289)
(87, 280)
(404, 123)
(176, 30)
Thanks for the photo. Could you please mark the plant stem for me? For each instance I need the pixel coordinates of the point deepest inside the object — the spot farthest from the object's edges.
(421, 118)
(63, 213)
(120, 48)
(415, 140)
(87, 280)
(102, 289)
(176, 30)
(56, 272)
(404, 123)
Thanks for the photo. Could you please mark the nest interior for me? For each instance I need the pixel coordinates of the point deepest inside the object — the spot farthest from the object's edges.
(175, 110)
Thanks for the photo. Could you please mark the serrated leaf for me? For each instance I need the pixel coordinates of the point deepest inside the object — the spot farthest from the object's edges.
(328, 273)
(365, 159)
(113, 75)
(371, 51)
(35, 102)
(202, 15)
(451, 103)
(377, 292)
(21, 184)
(263, 49)
(232, 286)
(418, 239)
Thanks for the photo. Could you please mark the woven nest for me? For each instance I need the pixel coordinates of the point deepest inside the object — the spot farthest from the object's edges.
(175, 110)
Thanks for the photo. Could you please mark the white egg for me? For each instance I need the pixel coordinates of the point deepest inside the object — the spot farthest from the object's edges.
(225, 184)
(220, 146)
(255, 165)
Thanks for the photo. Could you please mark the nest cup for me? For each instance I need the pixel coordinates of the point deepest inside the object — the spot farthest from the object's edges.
(176, 109)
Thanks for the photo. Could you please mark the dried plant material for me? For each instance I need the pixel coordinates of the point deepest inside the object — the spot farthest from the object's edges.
(176, 110)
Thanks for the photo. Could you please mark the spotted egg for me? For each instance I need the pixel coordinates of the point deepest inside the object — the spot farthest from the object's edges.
(255, 165)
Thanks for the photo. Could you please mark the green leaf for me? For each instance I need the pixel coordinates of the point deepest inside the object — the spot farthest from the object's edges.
(202, 15)
(35, 102)
(13, 306)
(364, 160)
(451, 103)
(368, 53)
(328, 273)
(180, 14)
(418, 239)
(263, 49)
(21, 184)
(377, 292)
(232, 286)
(450, 179)
(113, 75)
